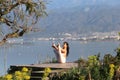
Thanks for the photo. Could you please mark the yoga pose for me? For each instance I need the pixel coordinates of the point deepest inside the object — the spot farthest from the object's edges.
(61, 52)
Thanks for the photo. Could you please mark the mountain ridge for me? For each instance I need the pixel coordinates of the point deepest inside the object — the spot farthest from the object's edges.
(82, 20)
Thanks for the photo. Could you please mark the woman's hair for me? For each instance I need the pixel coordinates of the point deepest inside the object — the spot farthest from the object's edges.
(67, 47)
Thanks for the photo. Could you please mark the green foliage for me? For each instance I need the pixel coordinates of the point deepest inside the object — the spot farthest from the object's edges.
(24, 74)
(93, 61)
(46, 73)
(73, 74)
(119, 33)
(81, 62)
(53, 60)
(95, 73)
(117, 57)
(111, 71)
(118, 53)
(104, 72)
(108, 59)
(92, 69)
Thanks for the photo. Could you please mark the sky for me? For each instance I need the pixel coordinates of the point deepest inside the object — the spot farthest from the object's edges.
(54, 4)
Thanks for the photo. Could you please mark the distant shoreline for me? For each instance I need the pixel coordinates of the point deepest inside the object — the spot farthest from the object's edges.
(84, 39)
(91, 38)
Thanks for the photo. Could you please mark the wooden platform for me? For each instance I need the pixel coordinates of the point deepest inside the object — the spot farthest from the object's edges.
(50, 65)
(38, 69)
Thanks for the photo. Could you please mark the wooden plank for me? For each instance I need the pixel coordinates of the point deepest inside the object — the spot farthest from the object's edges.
(50, 65)
(38, 69)
(53, 71)
(36, 77)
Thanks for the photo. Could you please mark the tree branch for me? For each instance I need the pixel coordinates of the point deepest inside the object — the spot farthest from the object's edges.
(13, 14)
(12, 35)
(10, 7)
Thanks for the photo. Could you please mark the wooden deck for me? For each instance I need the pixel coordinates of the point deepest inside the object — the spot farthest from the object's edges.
(38, 69)
(50, 65)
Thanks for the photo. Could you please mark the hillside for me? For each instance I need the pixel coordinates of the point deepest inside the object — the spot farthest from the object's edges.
(82, 19)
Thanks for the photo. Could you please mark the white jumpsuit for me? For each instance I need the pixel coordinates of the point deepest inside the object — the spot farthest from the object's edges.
(59, 55)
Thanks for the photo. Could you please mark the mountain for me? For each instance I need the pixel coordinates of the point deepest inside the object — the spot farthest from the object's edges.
(82, 19)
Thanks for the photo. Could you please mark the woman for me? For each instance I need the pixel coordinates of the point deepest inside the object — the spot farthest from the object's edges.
(61, 53)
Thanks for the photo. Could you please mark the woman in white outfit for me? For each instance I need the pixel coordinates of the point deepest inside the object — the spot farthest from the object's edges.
(61, 52)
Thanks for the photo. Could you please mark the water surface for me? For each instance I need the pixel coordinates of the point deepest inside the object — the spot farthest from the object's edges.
(36, 51)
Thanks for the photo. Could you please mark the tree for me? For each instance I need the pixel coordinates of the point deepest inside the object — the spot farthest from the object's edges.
(19, 17)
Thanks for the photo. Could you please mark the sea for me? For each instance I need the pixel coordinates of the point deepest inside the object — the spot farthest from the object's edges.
(35, 51)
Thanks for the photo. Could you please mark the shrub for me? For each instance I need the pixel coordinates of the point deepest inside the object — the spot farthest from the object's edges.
(24, 74)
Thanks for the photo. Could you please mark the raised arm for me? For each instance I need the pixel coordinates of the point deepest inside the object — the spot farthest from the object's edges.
(54, 46)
